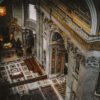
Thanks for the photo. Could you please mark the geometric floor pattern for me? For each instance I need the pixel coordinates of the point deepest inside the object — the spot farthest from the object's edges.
(16, 71)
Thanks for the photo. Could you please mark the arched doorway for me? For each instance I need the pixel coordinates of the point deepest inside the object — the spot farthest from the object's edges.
(57, 54)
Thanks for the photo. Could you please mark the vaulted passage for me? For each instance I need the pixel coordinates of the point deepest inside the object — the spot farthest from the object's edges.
(49, 50)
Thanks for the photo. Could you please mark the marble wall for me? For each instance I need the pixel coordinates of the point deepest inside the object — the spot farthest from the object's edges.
(83, 68)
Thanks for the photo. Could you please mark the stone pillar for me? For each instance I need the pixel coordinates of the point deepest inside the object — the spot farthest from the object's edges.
(39, 37)
(37, 32)
(71, 67)
(88, 76)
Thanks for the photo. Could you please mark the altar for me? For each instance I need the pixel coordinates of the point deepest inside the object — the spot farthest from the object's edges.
(7, 52)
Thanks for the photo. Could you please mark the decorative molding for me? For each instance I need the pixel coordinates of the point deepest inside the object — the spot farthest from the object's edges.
(85, 46)
(69, 22)
(93, 62)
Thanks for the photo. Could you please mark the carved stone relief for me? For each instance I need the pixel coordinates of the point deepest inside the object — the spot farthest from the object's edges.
(77, 53)
(93, 62)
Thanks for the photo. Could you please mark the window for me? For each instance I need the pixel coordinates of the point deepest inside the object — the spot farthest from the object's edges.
(32, 12)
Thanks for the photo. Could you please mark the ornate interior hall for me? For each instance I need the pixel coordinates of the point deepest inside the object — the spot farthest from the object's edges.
(49, 50)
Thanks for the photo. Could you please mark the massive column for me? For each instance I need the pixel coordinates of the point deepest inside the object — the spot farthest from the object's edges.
(88, 76)
(39, 35)
(73, 71)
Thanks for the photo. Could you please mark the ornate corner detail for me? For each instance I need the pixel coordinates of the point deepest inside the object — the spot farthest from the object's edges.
(93, 62)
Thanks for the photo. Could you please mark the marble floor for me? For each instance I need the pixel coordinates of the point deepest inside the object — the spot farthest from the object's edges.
(16, 71)
(60, 85)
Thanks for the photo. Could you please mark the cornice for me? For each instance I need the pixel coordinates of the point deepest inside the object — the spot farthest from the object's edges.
(68, 21)
(87, 42)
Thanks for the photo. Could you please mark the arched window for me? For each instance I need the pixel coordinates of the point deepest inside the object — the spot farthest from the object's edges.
(32, 12)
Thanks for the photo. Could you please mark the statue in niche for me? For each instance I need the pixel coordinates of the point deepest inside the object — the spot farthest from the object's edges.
(14, 28)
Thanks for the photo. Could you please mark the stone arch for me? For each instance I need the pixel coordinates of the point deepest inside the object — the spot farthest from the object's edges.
(60, 33)
(94, 16)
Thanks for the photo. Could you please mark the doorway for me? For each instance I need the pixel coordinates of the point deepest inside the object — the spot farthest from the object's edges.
(57, 54)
